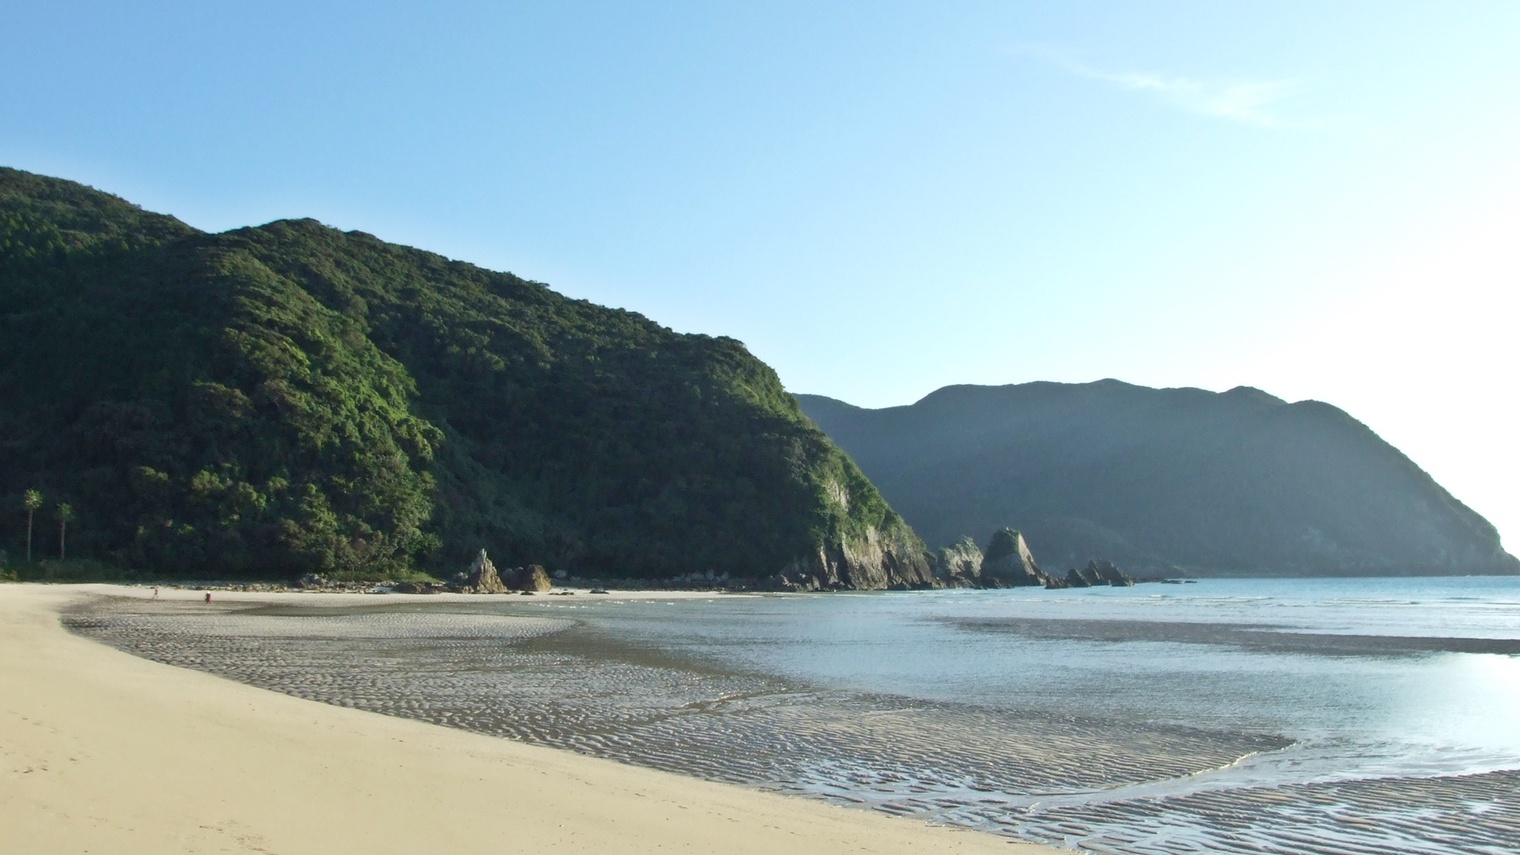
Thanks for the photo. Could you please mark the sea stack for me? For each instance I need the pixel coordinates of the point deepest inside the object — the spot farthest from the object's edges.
(1009, 563)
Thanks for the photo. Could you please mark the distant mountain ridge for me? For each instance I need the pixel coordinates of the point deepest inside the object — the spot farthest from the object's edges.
(1163, 481)
(291, 399)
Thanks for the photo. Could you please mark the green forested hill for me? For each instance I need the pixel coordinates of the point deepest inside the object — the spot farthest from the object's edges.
(290, 398)
(1163, 480)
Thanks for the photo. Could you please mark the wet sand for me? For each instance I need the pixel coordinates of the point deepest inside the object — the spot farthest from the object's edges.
(101, 751)
(1248, 636)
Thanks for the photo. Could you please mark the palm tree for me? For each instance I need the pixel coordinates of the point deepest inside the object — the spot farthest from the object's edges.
(65, 513)
(31, 500)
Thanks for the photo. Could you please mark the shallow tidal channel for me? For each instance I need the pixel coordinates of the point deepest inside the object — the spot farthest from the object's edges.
(578, 679)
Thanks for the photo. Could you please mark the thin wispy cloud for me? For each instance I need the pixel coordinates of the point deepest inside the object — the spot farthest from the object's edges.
(1251, 102)
(1242, 101)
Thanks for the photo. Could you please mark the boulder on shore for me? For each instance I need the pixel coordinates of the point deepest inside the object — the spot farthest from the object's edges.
(530, 578)
(482, 577)
(418, 588)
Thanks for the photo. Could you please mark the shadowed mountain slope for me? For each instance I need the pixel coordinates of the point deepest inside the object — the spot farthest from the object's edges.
(291, 398)
(1163, 480)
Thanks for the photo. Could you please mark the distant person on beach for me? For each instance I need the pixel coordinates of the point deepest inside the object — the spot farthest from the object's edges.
(155, 592)
(208, 596)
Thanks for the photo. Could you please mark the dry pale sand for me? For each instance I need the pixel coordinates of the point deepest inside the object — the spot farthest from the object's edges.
(103, 752)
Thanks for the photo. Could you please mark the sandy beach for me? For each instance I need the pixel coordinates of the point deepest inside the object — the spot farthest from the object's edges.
(104, 752)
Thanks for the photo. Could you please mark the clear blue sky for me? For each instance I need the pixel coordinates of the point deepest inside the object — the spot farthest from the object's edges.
(1320, 199)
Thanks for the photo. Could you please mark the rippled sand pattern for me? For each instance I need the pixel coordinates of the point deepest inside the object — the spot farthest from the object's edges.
(555, 682)
(1477, 814)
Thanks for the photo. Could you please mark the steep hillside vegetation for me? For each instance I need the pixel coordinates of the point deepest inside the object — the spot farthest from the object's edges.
(290, 398)
(1163, 480)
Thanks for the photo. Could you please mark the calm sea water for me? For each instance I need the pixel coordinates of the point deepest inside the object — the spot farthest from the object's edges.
(1245, 655)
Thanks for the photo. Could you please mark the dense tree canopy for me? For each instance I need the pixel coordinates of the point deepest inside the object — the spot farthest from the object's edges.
(291, 398)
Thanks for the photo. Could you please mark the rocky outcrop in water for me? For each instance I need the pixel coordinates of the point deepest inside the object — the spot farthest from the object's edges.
(1098, 572)
(960, 565)
(1009, 562)
(1108, 574)
(1079, 579)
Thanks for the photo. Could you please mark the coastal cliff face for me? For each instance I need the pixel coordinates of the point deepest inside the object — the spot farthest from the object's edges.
(291, 399)
(1164, 481)
(873, 560)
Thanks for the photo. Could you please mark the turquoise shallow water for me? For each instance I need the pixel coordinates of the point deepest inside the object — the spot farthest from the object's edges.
(1253, 716)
